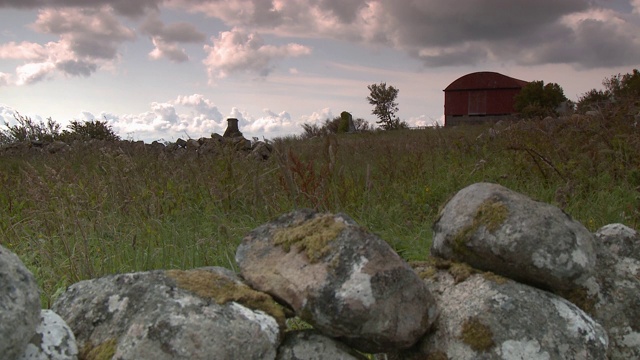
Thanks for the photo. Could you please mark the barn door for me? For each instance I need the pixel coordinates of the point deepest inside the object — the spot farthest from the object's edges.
(478, 102)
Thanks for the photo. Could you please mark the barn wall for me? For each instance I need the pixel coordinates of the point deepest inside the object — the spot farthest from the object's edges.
(469, 102)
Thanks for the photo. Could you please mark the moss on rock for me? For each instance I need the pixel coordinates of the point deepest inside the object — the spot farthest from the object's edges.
(313, 236)
(222, 290)
(491, 214)
(477, 335)
(104, 351)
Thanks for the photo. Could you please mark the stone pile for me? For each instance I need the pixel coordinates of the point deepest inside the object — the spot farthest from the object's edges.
(509, 278)
(205, 146)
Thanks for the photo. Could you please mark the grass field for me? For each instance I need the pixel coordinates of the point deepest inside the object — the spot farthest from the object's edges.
(93, 211)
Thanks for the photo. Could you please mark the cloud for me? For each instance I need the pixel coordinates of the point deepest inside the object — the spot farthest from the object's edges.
(5, 79)
(92, 33)
(236, 51)
(88, 40)
(445, 33)
(270, 122)
(166, 38)
(123, 7)
(23, 51)
(317, 117)
(202, 106)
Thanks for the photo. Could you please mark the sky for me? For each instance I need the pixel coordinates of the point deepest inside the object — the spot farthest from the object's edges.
(168, 69)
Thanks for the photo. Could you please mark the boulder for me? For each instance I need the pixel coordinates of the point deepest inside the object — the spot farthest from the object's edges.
(312, 345)
(345, 281)
(19, 305)
(613, 299)
(192, 145)
(486, 316)
(620, 239)
(172, 314)
(261, 150)
(495, 229)
(53, 340)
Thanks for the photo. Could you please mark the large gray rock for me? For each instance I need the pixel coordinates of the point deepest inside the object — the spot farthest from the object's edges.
(620, 239)
(53, 340)
(348, 283)
(312, 345)
(495, 229)
(486, 316)
(19, 305)
(613, 299)
(171, 314)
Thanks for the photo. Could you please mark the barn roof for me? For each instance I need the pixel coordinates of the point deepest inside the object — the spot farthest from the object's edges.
(485, 80)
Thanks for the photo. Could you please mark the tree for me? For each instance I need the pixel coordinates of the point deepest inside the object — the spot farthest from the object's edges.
(538, 100)
(384, 99)
(624, 90)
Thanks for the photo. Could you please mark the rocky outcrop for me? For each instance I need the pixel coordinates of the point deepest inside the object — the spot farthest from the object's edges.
(19, 305)
(508, 280)
(345, 281)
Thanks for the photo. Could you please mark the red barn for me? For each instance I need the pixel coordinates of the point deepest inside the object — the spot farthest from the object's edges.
(479, 97)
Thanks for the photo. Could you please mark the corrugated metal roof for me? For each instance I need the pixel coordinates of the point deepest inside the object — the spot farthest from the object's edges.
(485, 80)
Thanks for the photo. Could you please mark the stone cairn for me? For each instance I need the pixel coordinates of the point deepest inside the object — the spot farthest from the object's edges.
(509, 278)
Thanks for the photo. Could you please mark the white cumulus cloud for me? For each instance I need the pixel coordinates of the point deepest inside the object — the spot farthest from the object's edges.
(237, 51)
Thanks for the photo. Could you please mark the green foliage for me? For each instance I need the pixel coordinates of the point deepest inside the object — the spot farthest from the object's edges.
(622, 92)
(334, 126)
(537, 100)
(27, 129)
(384, 100)
(593, 100)
(88, 130)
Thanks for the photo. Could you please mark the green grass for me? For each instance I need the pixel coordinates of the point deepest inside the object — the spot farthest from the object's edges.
(91, 211)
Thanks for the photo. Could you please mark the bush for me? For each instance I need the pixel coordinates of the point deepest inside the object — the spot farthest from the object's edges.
(27, 129)
(88, 130)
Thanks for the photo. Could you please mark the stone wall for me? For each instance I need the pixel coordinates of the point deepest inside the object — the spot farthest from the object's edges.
(509, 278)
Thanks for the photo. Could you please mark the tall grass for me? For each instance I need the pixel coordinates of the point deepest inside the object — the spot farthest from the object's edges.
(97, 210)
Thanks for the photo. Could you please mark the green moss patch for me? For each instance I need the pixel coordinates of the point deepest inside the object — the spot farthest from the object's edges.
(477, 335)
(312, 236)
(222, 290)
(491, 214)
(498, 279)
(104, 351)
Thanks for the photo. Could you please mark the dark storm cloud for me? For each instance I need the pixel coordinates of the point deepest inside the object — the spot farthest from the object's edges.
(131, 8)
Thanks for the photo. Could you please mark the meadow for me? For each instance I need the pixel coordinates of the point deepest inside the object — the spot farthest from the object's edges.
(92, 211)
